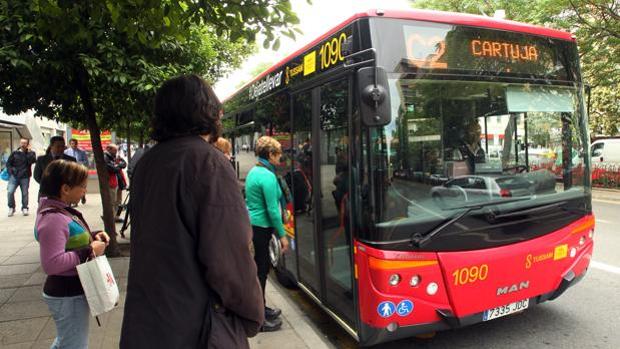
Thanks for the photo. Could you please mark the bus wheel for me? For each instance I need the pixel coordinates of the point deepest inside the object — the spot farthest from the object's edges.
(284, 276)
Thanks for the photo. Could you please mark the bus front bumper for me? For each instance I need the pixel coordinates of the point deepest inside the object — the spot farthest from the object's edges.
(370, 335)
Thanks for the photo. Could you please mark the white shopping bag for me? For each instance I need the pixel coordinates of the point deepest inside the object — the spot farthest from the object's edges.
(99, 285)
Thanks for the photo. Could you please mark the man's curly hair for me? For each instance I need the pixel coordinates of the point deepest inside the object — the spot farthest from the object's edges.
(186, 105)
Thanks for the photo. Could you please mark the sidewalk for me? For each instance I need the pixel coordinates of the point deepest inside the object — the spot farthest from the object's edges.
(25, 321)
(605, 194)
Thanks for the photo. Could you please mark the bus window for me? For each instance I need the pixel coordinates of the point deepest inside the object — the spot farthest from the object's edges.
(303, 187)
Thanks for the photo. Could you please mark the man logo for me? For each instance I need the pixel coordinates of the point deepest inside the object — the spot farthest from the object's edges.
(513, 288)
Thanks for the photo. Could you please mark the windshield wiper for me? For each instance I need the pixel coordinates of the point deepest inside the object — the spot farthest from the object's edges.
(419, 240)
(528, 210)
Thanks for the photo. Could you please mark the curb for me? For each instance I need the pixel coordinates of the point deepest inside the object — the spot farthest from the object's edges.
(309, 334)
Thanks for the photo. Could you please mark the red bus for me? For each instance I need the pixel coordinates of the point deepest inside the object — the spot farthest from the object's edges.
(439, 167)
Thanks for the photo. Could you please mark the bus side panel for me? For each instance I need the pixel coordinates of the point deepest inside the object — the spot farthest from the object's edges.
(485, 279)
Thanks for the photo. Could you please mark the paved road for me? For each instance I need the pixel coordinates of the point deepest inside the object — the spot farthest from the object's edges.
(586, 316)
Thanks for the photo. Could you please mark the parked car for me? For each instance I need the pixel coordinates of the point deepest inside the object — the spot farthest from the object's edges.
(472, 188)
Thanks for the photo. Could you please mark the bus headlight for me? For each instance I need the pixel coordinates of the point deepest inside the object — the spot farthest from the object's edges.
(415, 281)
(591, 234)
(394, 279)
(573, 252)
(582, 240)
(432, 288)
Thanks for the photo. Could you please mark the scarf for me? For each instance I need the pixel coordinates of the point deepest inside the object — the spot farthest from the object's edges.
(286, 197)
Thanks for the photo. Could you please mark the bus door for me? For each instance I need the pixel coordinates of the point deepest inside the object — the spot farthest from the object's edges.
(333, 170)
(302, 188)
(321, 194)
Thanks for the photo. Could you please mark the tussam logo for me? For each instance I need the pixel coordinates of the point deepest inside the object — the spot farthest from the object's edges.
(513, 288)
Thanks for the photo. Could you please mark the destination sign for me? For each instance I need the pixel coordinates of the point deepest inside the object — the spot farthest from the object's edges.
(448, 47)
(504, 50)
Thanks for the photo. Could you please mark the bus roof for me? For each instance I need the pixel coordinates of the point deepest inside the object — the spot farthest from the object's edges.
(464, 19)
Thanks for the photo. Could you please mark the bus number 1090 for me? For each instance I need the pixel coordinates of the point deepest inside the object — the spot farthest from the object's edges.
(470, 275)
(331, 51)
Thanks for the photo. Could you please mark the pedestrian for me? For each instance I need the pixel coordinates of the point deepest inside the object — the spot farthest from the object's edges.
(223, 145)
(55, 151)
(265, 200)
(19, 167)
(79, 155)
(137, 155)
(65, 241)
(192, 282)
(116, 183)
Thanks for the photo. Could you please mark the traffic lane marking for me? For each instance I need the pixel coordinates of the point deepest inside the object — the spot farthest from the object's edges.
(602, 221)
(605, 267)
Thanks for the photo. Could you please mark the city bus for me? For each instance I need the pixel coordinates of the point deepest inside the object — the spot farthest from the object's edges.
(438, 164)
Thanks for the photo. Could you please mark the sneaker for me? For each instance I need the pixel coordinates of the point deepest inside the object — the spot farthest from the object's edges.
(11, 212)
(270, 326)
(272, 314)
(25, 211)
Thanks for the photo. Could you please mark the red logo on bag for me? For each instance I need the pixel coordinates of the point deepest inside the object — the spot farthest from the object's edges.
(109, 279)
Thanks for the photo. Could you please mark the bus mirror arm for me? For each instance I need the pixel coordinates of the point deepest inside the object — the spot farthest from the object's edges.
(349, 58)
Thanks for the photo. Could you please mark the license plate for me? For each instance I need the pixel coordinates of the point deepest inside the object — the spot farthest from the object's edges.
(505, 310)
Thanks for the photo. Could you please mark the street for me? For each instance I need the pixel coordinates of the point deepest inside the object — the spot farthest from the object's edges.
(586, 316)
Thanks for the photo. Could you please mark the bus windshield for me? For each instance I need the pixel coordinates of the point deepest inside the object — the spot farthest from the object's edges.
(454, 144)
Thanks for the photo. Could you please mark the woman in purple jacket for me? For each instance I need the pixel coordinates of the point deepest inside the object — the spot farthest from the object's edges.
(65, 241)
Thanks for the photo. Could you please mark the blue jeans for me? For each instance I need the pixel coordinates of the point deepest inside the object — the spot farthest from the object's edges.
(23, 183)
(71, 315)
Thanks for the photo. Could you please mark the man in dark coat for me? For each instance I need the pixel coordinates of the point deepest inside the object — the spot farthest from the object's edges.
(55, 151)
(116, 182)
(190, 236)
(19, 167)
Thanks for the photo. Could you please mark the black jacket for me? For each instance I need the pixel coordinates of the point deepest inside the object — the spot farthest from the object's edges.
(135, 158)
(190, 232)
(43, 161)
(20, 163)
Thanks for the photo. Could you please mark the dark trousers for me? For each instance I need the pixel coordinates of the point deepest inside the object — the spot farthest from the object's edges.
(260, 239)
(23, 184)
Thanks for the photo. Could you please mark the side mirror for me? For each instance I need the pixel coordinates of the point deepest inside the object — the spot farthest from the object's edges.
(373, 93)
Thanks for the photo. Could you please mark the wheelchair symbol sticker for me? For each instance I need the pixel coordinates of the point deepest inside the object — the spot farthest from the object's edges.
(404, 308)
(386, 309)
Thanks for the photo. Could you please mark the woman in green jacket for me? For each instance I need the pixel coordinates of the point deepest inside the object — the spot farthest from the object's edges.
(265, 201)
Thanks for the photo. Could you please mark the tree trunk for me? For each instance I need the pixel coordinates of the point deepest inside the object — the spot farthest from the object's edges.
(141, 136)
(102, 173)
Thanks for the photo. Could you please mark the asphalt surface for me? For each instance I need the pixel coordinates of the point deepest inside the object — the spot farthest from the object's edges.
(586, 316)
